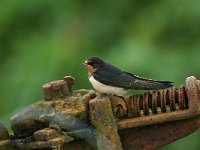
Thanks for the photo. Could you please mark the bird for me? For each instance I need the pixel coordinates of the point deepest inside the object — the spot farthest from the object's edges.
(108, 79)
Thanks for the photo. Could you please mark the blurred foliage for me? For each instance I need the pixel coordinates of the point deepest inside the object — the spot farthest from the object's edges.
(44, 40)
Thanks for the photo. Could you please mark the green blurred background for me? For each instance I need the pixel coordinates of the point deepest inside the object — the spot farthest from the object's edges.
(44, 40)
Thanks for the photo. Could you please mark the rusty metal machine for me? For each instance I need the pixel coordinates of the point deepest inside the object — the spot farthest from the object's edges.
(84, 119)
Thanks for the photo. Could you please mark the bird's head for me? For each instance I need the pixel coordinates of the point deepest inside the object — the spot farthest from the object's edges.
(93, 64)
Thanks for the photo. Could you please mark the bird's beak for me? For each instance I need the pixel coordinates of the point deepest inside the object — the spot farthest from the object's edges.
(84, 64)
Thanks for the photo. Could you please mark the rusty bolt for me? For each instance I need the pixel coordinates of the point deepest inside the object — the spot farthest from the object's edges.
(70, 82)
(58, 89)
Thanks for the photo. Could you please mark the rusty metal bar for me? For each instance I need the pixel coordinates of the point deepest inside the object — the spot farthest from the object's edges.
(193, 94)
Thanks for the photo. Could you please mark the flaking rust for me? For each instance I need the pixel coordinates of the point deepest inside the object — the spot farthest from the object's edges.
(188, 101)
(84, 119)
(159, 129)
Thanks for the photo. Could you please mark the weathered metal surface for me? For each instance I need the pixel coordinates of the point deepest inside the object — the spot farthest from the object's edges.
(102, 119)
(155, 136)
(47, 138)
(70, 114)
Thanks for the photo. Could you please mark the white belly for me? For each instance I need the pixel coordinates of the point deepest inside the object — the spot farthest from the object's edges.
(102, 88)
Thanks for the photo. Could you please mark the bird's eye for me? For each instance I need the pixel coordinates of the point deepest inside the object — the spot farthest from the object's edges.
(91, 63)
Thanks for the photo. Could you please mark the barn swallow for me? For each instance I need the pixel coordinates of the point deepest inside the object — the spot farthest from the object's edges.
(108, 79)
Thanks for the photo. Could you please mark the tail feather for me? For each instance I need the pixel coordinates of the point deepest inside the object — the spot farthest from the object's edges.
(149, 84)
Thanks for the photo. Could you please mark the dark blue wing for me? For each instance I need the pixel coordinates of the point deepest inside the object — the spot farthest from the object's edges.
(110, 75)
